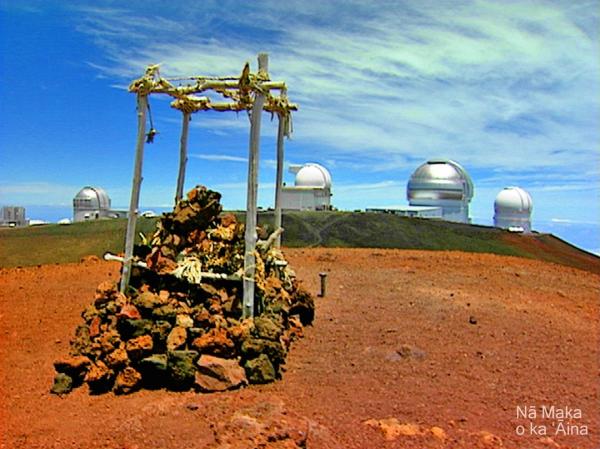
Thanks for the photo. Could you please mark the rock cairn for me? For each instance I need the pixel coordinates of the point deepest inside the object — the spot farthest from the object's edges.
(180, 324)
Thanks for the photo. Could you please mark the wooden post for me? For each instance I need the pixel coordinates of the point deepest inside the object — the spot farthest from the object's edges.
(182, 155)
(279, 178)
(250, 235)
(142, 107)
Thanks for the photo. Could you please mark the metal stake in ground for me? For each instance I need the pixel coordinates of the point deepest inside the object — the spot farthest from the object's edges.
(323, 277)
(182, 154)
(250, 235)
(142, 106)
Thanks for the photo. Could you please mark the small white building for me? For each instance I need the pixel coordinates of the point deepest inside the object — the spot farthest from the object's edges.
(439, 188)
(92, 203)
(512, 210)
(311, 190)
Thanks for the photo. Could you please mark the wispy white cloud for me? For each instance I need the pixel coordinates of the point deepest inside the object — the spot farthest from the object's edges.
(570, 221)
(219, 157)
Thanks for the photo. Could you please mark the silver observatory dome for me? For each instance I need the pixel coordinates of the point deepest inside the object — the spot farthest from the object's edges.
(442, 183)
(90, 203)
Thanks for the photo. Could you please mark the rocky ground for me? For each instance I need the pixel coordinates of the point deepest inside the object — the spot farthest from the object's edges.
(409, 349)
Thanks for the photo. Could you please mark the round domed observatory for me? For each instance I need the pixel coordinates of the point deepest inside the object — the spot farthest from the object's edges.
(313, 175)
(91, 203)
(512, 209)
(311, 191)
(442, 183)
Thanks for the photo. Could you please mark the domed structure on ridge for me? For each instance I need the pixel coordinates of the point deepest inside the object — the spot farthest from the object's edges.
(91, 203)
(512, 209)
(442, 183)
(311, 191)
(313, 175)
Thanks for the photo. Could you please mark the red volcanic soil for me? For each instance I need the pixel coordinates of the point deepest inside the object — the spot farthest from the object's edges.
(410, 349)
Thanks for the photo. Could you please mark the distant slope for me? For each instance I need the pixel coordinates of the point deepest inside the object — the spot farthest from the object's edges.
(58, 244)
(55, 243)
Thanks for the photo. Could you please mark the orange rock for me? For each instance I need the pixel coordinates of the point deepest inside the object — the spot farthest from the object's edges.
(438, 433)
(489, 439)
(139, 347)
(129, 311)
(117, 358)
(127, 380)
(392, 429)
(97, 373)
(176, 338)
(216, 342)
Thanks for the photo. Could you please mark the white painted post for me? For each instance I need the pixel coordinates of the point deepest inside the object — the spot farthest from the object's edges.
(182, 155)
(142, 106)
(250, 235)
(279, 178)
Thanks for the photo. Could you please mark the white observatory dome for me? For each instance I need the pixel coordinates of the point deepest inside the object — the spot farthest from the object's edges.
(513, 200)
(512, 209)
(313, 175)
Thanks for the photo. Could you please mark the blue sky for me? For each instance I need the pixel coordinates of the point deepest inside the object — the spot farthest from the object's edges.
(511, 90)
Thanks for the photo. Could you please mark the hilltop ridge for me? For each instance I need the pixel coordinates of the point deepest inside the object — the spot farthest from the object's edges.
(60, 244)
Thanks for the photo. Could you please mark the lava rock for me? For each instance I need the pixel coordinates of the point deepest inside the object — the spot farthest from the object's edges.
(176, 338)
(127, 381)
(147, 301)
(215, 342)
(181, 368)
(134, 328)
(260, 370)
(99, 377)
(218, 374)
(63, 384)
(139, 347)
(129, 312)
(184, 320)
(117, 358)
(254, 347)
(268, 328)
(154, 370)
(165, 313)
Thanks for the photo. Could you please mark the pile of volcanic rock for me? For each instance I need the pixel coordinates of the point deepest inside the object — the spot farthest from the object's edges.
(180, 325)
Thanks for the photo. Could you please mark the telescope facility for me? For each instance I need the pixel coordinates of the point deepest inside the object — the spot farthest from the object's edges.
(512, 210)
(311, 191)
(93, 203)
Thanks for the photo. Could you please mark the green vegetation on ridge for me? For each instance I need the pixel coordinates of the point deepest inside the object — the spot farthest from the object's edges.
(60, 244)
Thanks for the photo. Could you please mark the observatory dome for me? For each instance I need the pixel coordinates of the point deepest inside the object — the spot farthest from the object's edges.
(93, 198)
(512, 209)
(313, 175)
(513, 200)
(440, 179)
(91, 203)
(443, 184)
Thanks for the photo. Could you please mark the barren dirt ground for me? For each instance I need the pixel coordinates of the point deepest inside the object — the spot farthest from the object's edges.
(409, 349)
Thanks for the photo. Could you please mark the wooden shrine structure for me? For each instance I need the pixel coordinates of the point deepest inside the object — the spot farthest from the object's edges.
(251, 92)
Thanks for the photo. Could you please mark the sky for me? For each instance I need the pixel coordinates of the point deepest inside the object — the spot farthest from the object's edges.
(509, 89)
